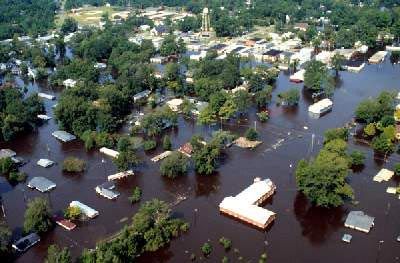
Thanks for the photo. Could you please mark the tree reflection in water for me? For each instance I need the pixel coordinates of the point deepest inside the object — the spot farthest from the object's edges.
(317, 223)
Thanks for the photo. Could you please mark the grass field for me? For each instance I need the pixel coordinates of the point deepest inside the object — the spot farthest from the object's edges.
(88, 16)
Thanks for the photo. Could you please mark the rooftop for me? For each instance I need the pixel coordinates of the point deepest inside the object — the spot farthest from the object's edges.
(41, 184)
(359, 221)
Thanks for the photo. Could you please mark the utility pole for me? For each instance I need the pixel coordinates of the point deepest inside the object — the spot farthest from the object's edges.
(255, 125)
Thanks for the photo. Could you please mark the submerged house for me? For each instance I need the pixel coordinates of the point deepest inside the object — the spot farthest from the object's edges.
(41, 184)
(107, 190)
(86, 210)
(23, 244)
(245, 205)
(359, 221)
(320, 107)
(64, 136)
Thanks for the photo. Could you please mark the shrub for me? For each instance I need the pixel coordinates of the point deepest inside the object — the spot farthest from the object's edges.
(263, 116)
(206, 248)
(6, 166)
(370, 129)
(225, 259)
(382, 144)
(357, 158)
(72, 212)
(251, 134)
(397, 169)
(225, 242)
(73, 164)
(263, 258)
(149, 145)
(167, 145)
(136, 195)
(17, 176)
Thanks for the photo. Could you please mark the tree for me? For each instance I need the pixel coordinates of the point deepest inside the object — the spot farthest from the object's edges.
(37, 216)
(69, 25)
(228, 110)
(187, 107)
(136, 195)
(357, 158)
(397, 169)
(73, 164)
(5, 238)
(382, 144)
(317, 78)
(72, 212)
(167, 145)
(372, 110)
(206, 159)
(57, 255)
(174, 165)
(242, 100)
(323, 180)
(370, 129)
(290, 97)
(336, 133)
(337, 62)
(126, 160)
(251, 134)
(206, 116)
(206, 248)
(263, 96)
(225, 242)
(149, 145)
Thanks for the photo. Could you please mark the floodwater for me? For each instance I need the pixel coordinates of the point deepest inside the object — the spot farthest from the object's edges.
(300, 233)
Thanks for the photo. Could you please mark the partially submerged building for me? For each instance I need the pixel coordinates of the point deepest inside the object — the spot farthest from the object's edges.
(41, 184)
(161, 156)
(23, 244)
(378, 57)
(298, 76)
(320, 107)
(45, 163)
(110, 152)
(359, 221)
(245, 205)
(107, 190)
(64, 136)
(46, 96)
(120, 175)
(383, 175)
(85, 210)
(7, 153)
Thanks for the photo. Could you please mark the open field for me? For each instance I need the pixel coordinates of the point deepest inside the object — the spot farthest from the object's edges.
(90, 16)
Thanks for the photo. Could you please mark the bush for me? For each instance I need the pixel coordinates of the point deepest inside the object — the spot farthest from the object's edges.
(72, 212)
(17, 176)
(263, 258)
(251, 134)
(370, 130)
(397, 169)
(73, 164)
(225, 259)
(167, 145)
(290, 97)
(382, 144)
(226, 243)
(136, 195)
(6, 166)
(357, 158)
(174, 165)
(149, 145)
(206, 248)
(263, 116)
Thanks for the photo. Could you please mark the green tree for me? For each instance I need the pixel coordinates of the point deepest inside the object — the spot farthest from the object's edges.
(5, 238)
(317, 78)
(37, 216)
(228, 110)
(251, 134)
(73, 164)
(207, 116)
(323, 180)
(174, 165)
(336, 133)
(167, 144)
(136, 195)
(126, 160)
(357, 158)
(206, 158)
(225, 242)
(370, 129)
(69, 25)
(337, 62)
(382, 144)
(242, 100)
(57, 255)
(290, 97)
(206, 248)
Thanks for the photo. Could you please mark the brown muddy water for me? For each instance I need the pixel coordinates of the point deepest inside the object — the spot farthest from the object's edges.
(300, 233)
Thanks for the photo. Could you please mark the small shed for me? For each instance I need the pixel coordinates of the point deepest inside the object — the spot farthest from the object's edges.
(347, 238)
(120, 175)
(41, 184)
(110, 152)
(45, 163)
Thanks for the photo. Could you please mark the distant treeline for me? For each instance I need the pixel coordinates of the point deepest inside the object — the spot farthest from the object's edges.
(24, 17)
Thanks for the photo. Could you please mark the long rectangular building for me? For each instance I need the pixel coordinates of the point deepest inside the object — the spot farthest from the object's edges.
(245, 205)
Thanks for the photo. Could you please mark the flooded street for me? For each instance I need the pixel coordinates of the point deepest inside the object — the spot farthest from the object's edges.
(300, 233)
